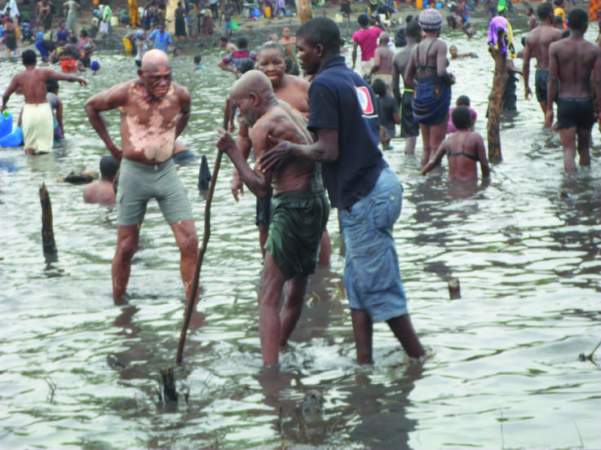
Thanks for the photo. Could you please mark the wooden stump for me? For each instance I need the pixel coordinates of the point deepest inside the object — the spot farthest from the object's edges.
(454, 288)
(495, 106)
(48, 244)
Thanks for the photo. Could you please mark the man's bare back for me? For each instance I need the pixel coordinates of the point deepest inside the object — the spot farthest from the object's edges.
(280, 122)
(538, 42)
(572, 61)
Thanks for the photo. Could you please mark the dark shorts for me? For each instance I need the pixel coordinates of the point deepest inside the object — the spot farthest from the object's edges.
(541, 79)
(409, 127)
(11, 43)
(297, 223)
(263, 215)
(575, 113)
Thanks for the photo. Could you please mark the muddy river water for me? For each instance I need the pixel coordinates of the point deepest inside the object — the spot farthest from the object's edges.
(77, 371)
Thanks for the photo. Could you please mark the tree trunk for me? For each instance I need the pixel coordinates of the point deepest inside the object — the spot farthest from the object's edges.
(48, 244)
(303, 9)
(495, 105)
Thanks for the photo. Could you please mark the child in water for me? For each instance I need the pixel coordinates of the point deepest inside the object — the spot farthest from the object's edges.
(464, 149)
(57, 108)
(388, 113)
(462, 100)
(198, 63)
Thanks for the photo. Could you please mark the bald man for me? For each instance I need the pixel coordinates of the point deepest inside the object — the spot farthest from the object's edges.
(154, 112)
(299, 207)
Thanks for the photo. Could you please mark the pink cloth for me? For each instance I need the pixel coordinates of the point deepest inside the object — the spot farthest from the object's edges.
(367, 38)
(451, 126)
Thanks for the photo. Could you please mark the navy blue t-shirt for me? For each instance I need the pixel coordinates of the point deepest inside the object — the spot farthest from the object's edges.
(339, 99)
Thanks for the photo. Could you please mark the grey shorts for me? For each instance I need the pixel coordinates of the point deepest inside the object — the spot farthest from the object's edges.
(139, 182)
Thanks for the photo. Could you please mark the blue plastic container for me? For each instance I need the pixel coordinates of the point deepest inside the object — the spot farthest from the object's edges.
(14, 139)
(6, 123)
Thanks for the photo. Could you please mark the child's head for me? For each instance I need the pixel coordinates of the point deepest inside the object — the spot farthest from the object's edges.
(384, 39)
(379, 88)
(453, 51)
(52, 86)
(463, 100)
(242, 43)
(558, 22)
(462, 118)
(197, 59)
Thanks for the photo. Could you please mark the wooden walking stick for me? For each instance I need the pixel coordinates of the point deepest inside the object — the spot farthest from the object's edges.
(191, 303)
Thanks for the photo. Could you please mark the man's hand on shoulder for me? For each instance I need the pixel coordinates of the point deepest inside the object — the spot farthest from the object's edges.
(279, 151)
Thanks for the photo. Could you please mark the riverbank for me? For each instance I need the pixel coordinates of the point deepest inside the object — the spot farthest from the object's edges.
(258, 31)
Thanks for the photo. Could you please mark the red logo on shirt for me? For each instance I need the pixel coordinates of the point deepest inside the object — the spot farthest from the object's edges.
(367, 105)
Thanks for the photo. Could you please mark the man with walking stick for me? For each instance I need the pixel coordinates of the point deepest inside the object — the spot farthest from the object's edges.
(154, 113)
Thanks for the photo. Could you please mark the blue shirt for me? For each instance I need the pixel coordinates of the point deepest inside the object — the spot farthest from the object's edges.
(162, 41)
(339, 99)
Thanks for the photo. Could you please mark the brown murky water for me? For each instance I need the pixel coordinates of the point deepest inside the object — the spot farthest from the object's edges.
(76, 371)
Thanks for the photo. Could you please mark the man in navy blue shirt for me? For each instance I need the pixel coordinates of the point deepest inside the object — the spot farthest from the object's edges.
(360, 184)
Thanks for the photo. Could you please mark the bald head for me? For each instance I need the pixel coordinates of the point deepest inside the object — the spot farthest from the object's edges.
(253, 82)
(153, 59)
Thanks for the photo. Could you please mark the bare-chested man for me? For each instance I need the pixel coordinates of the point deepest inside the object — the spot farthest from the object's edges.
(294, 91)
(38, 122)
(537, 46)
(464, 149)
(300, 210)
(154, 111)
(575, 65)
(102, 191)
(409, 127)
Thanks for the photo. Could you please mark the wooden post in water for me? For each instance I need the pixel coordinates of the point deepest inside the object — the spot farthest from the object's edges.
(48, 244)
(495, 105)
(304, 10)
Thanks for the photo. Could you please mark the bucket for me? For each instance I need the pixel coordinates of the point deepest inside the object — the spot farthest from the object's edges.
(14, 139)
(234, 26)
(6, 123)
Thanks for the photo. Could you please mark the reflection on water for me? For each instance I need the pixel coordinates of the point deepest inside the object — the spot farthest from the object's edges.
(525, 248)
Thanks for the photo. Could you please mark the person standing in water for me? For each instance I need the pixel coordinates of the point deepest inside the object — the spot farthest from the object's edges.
(366, 37)
(360, 184)
(574, 78)
(427, 73)
(537, 45)
(154, 112)
(38, 122)
(464, 149)
(409, 127)
(300, 209)
(294, 91)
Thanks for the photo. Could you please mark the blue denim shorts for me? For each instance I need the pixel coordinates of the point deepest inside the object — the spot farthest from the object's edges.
(372, 278)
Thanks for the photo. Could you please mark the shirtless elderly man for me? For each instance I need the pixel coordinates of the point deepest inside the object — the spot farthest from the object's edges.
(300, 211)
(154, 111)
(537, 45)
(38, 122)
(295, 92)
(575, 71)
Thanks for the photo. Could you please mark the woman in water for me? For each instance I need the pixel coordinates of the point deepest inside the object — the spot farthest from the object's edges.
(427, 75)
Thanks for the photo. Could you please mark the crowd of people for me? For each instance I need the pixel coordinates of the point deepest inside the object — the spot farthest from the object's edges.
(319, 137)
